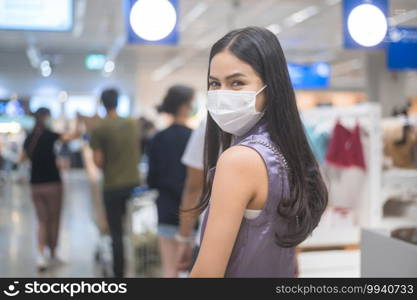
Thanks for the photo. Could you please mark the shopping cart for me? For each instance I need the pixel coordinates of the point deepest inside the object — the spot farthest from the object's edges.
(143, 259)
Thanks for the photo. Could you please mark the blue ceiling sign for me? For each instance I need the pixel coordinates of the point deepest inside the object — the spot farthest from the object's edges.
(402, 50)
(314, 76)
(152, 22)
(36, 15)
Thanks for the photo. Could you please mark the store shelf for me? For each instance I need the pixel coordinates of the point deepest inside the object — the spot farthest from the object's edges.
(336, 263)
(390, 223)
(332, 237)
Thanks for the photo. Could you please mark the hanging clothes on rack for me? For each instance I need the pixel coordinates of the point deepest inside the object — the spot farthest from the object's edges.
(345, 171)
(400, 144)
(345, 148)
(353, 185)
(318, 139)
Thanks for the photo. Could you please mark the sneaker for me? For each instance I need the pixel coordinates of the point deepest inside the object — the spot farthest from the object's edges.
(56, 262)
(42, 263)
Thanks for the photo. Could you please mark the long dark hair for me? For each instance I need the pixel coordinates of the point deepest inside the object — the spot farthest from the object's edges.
(177, 96)
(308, 196)
(40, 117)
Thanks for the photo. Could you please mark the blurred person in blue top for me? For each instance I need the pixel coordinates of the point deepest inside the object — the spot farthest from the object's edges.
(166, 172)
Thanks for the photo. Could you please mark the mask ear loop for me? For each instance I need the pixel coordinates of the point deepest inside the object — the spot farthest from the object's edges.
(260, 91)
(257, 93)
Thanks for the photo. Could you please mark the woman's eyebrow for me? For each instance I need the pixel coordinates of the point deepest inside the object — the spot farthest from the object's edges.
(229, 76)
(235, 75)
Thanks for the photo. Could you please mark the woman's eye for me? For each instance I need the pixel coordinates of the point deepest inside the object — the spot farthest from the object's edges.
(213, 84)
(237, 83)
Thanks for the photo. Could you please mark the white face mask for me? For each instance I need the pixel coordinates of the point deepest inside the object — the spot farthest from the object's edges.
(234, 111)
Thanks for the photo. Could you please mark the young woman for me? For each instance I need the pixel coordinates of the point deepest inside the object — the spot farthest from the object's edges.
(267, 194)
(167, 173)
(46, 186)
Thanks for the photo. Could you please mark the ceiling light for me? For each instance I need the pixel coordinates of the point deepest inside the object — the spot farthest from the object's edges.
(46, 69)
(45, 64)
(274, 28)
(168, 68)
(153, 20)
(301, 16)
(367, 25)
(109, 66)
(193, 15)
(46, 72)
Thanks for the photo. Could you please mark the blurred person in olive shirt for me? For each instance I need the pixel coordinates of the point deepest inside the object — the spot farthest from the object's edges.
(116, 152)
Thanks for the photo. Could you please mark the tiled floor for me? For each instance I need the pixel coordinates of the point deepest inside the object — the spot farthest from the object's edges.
(78, 237)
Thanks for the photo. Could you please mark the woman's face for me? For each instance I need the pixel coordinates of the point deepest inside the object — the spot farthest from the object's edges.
(227, 72)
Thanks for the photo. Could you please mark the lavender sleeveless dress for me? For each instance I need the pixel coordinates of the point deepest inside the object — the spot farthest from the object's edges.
(255, 253)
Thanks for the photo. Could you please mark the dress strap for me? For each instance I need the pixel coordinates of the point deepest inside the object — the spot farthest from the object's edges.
(280, 157)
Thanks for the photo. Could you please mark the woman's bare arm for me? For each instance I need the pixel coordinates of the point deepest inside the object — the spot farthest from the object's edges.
(237, 176)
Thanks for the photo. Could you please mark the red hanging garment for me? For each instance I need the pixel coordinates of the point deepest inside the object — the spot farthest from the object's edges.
(345, 148)
(356, 155)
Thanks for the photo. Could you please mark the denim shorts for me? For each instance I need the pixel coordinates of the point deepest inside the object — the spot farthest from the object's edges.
(167, 230)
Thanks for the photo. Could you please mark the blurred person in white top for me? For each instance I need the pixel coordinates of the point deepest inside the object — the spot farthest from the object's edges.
(193, 160)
